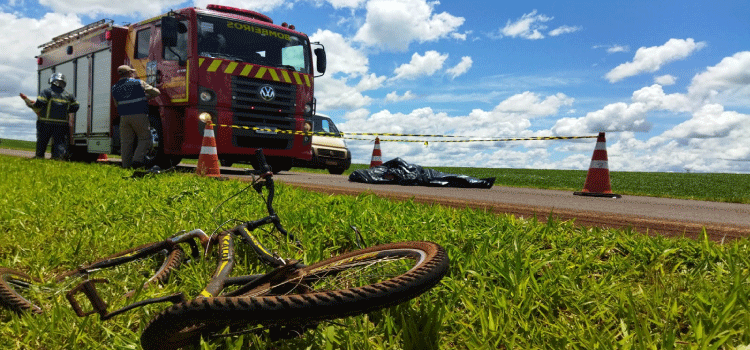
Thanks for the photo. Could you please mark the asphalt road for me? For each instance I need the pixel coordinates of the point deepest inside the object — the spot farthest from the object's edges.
(645, 214)
(649, 215)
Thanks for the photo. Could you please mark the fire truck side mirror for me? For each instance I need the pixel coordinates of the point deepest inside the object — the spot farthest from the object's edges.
(169, 27)
(320, 64)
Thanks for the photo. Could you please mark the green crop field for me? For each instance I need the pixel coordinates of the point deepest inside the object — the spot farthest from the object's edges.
(512, 283)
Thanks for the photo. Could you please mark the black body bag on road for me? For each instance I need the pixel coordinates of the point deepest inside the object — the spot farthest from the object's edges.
(397, 171)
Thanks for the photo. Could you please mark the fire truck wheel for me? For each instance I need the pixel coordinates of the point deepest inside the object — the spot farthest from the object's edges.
(280, 164)
(81, 154)
(156, 156)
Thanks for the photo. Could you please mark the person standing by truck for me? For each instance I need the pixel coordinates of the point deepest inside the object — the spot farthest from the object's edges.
(55, 107)
(131, 98)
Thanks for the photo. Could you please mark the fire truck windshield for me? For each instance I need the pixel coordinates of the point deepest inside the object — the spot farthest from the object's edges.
(252, 43)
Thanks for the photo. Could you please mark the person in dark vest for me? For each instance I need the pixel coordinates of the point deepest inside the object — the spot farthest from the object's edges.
(55, 108)
(131, 97)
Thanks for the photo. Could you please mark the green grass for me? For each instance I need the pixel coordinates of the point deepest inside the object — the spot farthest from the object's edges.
(716, 187)
(512, 284)
(18, 144)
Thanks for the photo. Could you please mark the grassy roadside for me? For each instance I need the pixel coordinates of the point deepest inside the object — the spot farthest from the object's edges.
(716, 187)
(513, 283)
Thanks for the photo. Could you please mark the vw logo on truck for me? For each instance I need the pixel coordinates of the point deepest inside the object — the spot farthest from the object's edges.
(267, 93)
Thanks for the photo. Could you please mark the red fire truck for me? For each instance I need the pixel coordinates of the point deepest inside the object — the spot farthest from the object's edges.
(251, 77)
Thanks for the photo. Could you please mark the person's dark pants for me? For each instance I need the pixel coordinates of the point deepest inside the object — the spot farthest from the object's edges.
(58, 132)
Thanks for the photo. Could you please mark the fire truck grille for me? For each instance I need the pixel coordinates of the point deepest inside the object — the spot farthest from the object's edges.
(252, 111)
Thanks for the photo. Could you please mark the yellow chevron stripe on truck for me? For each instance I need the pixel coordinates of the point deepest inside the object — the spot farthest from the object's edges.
(214, 65)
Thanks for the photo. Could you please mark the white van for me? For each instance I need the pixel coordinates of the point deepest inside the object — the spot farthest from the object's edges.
(329, 152)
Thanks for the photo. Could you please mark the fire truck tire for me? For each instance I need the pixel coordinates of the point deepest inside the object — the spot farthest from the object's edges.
(156, 155)
(226, 162)
(336, 171)
(279, 164)
(175, 160)
(81, 154)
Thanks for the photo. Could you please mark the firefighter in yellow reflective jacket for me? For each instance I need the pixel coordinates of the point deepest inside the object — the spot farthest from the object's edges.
(56, 108)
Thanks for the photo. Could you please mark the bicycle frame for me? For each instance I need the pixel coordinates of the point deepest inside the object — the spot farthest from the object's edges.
(225, 241)
(88, 287)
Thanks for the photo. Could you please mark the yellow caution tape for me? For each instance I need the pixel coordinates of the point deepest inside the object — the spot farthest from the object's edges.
(540, 138)
(344, 135)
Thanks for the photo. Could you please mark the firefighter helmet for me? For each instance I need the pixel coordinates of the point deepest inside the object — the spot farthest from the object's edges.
(58, 79)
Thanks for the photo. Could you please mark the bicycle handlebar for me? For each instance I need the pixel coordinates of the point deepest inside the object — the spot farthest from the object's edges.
(267, 174)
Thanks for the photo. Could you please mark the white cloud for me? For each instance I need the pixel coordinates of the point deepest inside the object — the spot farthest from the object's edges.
(613, 117)
(20, 42)
(621, 116)
(527, 27)
(531, 105)
(564, 30)
(708, 142)
(711, 121)
(16, 120)
(510, 118)
(613, 48)
(332, 93)
(347, 60)
(426, 65)
(460, 36)
(730, 79)
(143, 8)
(394, 97)
(338, 4)
(461, 68)
(651, 59)
(394, 24)
(254, 5)
(618, 48)
(370, 82)
(654, 98)
(665, 80)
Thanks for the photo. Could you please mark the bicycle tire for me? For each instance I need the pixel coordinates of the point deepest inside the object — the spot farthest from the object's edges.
(10, 298)
(184, 324)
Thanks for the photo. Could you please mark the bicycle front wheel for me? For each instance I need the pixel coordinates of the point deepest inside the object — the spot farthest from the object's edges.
(350, 284)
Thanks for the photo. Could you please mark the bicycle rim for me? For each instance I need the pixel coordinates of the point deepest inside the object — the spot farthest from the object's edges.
(350, 284)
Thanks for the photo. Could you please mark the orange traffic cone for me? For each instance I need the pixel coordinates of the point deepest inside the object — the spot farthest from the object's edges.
(103, 158)
(597, 180)
(376, 161)
(208, 160)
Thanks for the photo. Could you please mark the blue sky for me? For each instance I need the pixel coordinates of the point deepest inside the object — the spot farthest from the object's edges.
(668, 81)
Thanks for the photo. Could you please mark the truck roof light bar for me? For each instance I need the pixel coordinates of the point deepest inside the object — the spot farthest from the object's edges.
(75, 34)
(238, 11)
